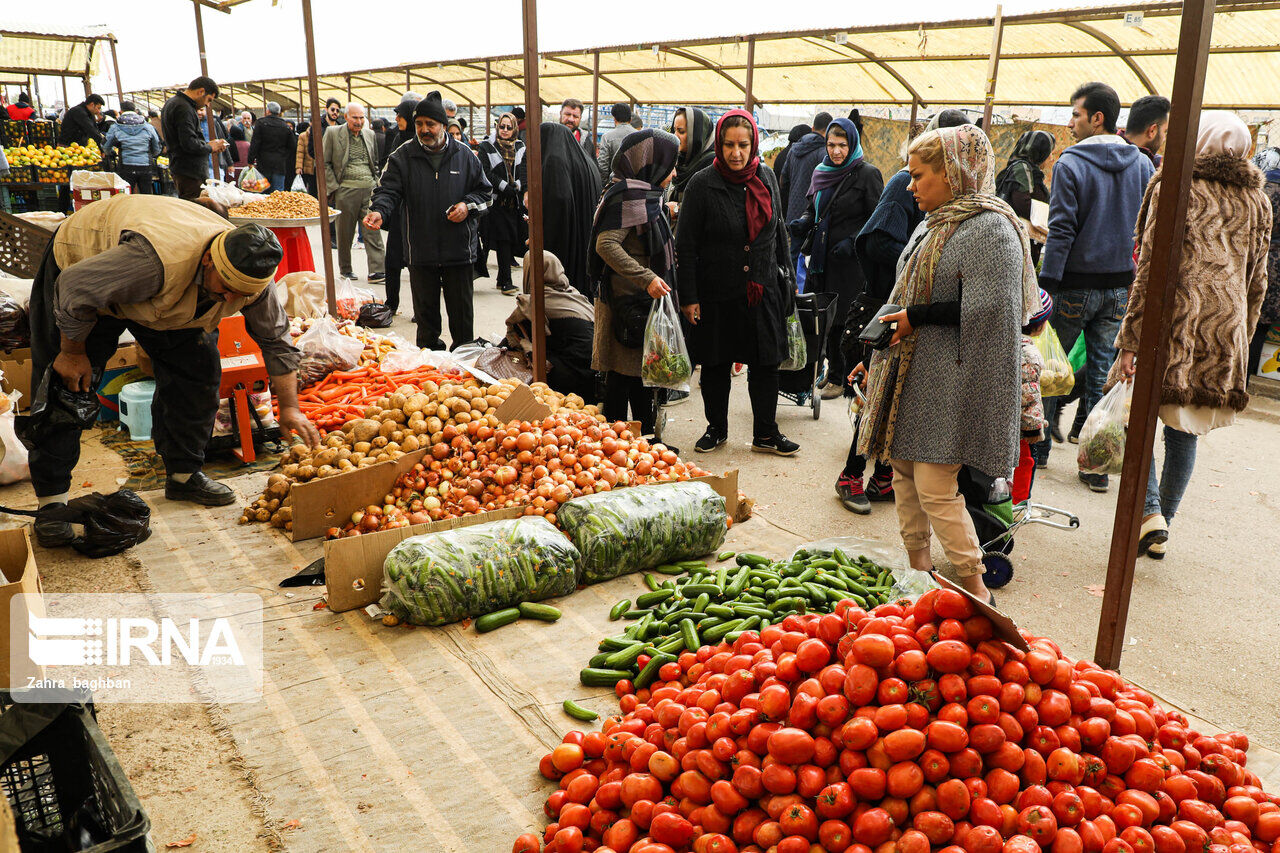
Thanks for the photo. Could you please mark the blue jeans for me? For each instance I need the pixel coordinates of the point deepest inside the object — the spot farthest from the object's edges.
(277, 183)
(1096, 314)
(1164, 496)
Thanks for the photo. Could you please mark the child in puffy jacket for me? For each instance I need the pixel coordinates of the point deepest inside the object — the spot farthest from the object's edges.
(1033, 421)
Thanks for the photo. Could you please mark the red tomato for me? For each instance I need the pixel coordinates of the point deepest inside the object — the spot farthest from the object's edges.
(953, 799)
(1038, 823)
(1167, 840)
(812, 655)
(835, 836)
(905, 779)
(799, 819)
(1139, 839)
(640, 786)
(860, 684)
(873, 827)
(952, 605)
(947, 737)
(527, 843)
(1063, 764)
(1067, 840)
(1068, 808)
(913, 841)
(904, 744)
(671, 829)
(1021, 844)
(983, 839)
(791, 745)
(869, 784)
(568, 840)
(949, 656)
(937, 827)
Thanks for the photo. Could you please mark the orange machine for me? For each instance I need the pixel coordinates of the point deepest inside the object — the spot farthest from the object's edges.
(244, 372)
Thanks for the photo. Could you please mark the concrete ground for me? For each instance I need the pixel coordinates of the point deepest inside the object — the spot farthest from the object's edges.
(1201, 630)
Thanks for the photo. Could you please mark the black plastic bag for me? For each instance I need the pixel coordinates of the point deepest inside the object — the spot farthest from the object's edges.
(54, 407)
(112, 523)
(15, 328)
(375, 315)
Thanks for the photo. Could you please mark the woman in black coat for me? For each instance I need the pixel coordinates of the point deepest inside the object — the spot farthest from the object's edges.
(734, 273)
(502, 157)
(570, 194)
(394, 262)
(842, 194)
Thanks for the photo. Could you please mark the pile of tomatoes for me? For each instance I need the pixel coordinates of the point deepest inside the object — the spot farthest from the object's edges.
(905, 730)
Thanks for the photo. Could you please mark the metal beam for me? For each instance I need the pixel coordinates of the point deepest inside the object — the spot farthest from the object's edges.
(488, 108)
(533, 163)
(214, 172)
(751, 76)
(578, 66)
(595, 97)
(1165, 259)
(424, 78)
(993, 68)
(1118, 51)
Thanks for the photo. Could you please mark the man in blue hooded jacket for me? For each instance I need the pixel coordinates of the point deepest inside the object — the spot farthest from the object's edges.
(1087, 263)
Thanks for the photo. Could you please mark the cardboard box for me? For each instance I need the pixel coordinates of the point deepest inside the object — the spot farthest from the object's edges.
(324, 503)
(17, 374)
(353, 566)
(1004, 627)
(19, 575)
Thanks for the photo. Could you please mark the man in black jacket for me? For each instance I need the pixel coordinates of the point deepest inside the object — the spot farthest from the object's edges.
(189, 151)
(438, 190)
(270, 147)
(80, 124)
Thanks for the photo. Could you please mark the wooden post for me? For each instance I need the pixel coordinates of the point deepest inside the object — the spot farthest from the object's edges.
(751, 75)
(301, 112)
(915, 111)
(1166, 259)
(993, 68)
(595, 97)
(66, 99)
(215, 172)
(317, 148)
(348, 89)
(488, 107)
(115, 67)
(263, 87)
(408, 81)
(533, 158)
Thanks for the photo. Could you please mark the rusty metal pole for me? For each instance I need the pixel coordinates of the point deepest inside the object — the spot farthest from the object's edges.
(915, 111)
(533, 159)
(993, 68)
(263, 87)
(408, 81)
(1166, 259)
(595, 99)
(751, 75)
(214, 171)
(115, 67)
(317, 148)
(488, 107)
(348, 78)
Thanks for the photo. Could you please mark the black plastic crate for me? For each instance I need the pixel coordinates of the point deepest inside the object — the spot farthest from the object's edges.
(19, 175)
(64, 785)
(19, 201)
(12, 132)
(41, 132)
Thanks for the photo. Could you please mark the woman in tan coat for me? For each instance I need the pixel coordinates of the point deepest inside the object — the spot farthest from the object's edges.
(1217, 297)
(632, 265)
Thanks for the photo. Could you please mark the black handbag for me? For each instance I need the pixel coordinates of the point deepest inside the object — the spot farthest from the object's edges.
(629, 313)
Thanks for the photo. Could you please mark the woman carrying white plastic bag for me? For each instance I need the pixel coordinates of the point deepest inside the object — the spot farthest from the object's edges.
(1217, 296)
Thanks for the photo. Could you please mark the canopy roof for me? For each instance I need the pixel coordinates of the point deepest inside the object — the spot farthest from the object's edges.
(72, 52)
(1043, 57)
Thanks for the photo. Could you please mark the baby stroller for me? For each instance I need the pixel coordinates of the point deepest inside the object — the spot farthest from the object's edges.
(996, 519)
(816, 311)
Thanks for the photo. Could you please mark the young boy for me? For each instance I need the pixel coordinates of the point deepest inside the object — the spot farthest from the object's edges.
(1033, 421)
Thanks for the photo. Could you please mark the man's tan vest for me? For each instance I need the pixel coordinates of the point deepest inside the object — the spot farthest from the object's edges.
(180, 233)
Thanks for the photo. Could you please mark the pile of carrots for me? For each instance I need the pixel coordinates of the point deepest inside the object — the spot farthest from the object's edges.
(344, 395)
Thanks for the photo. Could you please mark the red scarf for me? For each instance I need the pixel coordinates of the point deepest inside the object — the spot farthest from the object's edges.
(759, 208)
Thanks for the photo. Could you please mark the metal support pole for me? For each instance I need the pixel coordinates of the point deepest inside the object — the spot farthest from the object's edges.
(408, 81)
(595, 97)
(66, 99)
(348, 88)
(263, 86)
(215, 172)
(301, 112)
(993, 68)
(115, 67)
(915, 111)
(317, 148)
(533, 157)
(1166, 259)
(488, 107)
(751, 75)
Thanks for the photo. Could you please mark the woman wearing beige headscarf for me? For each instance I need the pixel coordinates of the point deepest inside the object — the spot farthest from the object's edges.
(569, 324)
(1217, 296)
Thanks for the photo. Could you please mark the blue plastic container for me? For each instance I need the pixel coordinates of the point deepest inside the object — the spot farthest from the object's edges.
(135, 409)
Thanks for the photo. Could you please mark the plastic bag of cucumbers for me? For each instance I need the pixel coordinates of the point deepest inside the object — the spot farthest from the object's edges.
(641, 527)
(440, 578)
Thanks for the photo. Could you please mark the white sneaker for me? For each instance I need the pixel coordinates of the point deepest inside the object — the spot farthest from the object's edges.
(1153, 537)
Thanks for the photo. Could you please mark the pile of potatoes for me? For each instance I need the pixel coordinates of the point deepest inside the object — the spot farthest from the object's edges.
(409, 419)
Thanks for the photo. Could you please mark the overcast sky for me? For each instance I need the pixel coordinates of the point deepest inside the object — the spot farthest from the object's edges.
(262, 39)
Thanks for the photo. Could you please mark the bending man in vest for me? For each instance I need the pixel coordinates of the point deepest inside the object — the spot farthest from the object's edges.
(168, 271)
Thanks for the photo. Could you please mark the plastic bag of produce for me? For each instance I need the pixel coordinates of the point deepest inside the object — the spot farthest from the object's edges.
(253, 181)
(324, 350)
(797, 352)
(440, 578)
(298, 185)
(13, 453)
(15, 329)
(1057, 379)
(665, 362)
(1103, 435)
(349, 298)
(907, 582)
(302, 294)
(641, 527)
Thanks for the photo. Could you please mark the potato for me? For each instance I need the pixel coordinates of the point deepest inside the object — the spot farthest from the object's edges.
(415, 403)
(366, 462)
(326, 471)
(437, 437)
(380, 441)
(386, 428)
(364, 429)
(396, 454)
(362, 447)
(493, 401)
(419, 428)
(430, 388)
(261, 515)
(357, 456)
(392, 447)
(479, 404)
(460, 404)
(395, 416)
(336, 439)
(410, 443)
(462, 417)
(344, 453)
(346, 465)
(290, 470)
(299, 451)
(325, 457)
(397, 436)
(434, 425)
(443, 412)
(382, 457)
(397, 400)
(306, 472)
(372, 413)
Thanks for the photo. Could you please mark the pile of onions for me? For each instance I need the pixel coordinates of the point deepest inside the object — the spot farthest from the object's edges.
(477, 468)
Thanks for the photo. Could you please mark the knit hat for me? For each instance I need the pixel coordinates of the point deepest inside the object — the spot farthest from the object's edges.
(431, 107)
(246, 258)
(1045, 311)
(407, 105)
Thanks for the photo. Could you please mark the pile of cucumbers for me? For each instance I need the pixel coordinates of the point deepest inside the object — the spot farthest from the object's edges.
(701, 605)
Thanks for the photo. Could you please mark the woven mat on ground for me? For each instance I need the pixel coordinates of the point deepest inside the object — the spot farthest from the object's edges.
(146, 468)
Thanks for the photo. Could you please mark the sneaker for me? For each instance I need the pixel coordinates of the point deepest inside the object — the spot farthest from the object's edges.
(199, 489)
(675, 398)
(51, 532)
(1153, 536)
(880, 488)
(348, 276)
(508, 289)
(832, 391)
(377, 277)
(849, 491)
(779, 445)
(1095, 482)
(711, 439)
(1074, 435)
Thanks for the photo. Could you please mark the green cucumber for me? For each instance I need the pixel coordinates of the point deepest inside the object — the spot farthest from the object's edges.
(618, 609)
(573, 709)
(496, 619)
(725, 555)
(649, 599)
(600, 677)
(541, 612)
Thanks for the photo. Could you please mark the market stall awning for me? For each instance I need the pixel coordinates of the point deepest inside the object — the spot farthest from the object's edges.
(66, 52)
(1043, 57)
